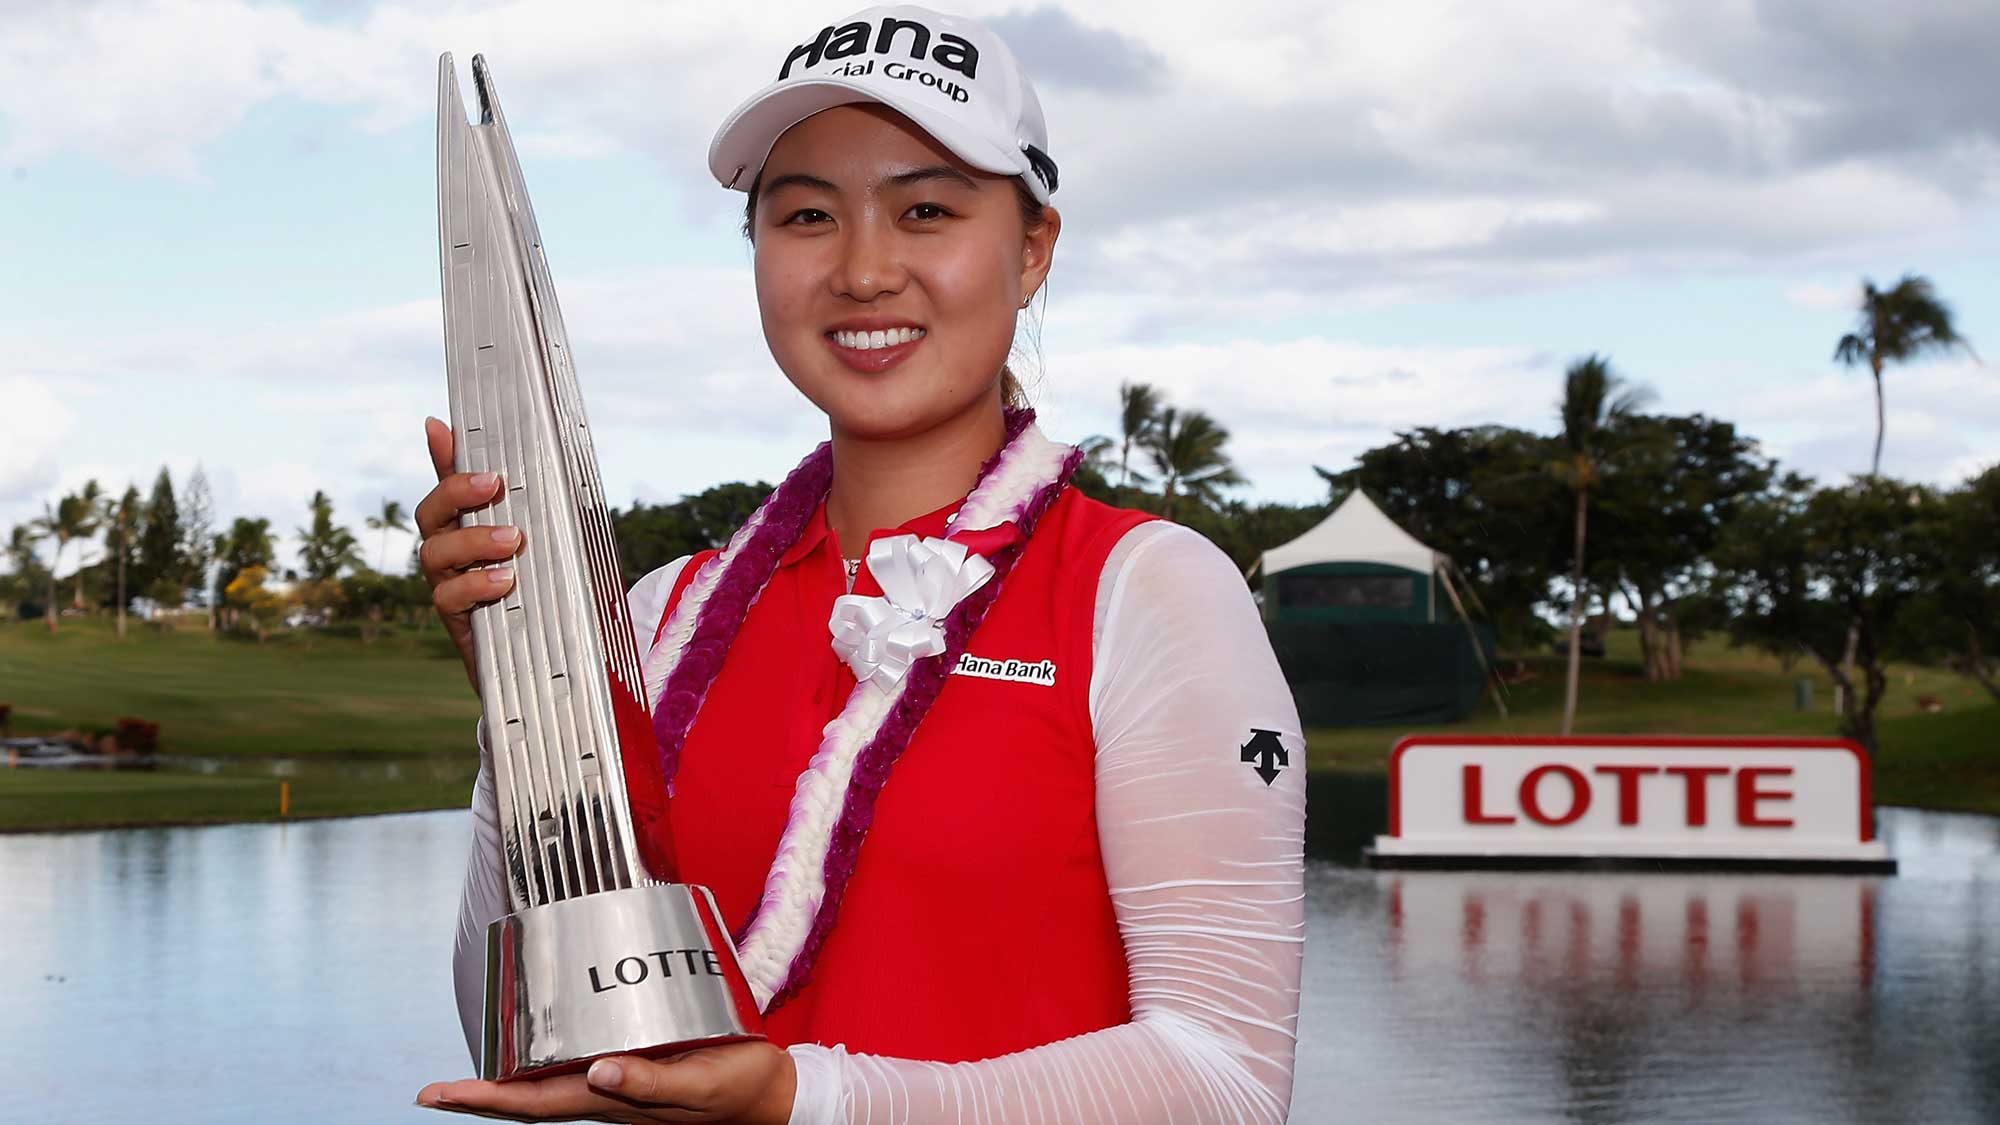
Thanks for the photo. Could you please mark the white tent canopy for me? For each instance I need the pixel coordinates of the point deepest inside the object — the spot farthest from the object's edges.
(1357, 531)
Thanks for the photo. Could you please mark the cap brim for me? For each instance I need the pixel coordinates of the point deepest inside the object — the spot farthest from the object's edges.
(736, 156)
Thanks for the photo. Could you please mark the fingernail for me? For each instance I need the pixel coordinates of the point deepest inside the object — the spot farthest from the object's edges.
(500, 574)
(484, 480)
(506, 534)
(606, 1073)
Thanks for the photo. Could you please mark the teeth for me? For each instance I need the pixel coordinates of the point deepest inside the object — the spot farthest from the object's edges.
(869, 341)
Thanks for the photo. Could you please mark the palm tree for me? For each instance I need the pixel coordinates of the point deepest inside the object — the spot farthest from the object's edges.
(1186, 447)
(1594, 400)
(325, 547)
(1139, 412)
(69, 518)
(392, 517)
(89, 505)
(43, 527)
(1896, 325)
(248, 543)
(20, 548)
(119, 516)
(21, 552)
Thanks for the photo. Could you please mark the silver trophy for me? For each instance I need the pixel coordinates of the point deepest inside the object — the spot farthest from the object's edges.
(603, 953)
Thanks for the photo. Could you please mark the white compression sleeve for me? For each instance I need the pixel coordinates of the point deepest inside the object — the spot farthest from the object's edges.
(485, 895)
(1205, 860)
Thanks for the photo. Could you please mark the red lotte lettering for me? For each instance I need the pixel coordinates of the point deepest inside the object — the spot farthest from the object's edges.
(1555, 794)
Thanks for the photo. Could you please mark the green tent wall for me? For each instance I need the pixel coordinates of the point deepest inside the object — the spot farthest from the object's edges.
(1362, 628)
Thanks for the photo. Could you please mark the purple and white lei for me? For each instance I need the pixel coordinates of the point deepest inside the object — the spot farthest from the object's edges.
(834, 799)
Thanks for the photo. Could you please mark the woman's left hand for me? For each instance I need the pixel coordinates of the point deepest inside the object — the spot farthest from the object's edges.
(750, 1083)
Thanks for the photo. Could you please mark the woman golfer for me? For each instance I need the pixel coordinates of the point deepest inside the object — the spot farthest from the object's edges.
(1001, 786)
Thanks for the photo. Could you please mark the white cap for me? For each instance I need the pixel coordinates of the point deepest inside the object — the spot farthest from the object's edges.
(949, 74)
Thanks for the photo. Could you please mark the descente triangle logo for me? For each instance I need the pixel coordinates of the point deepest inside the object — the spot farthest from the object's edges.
(849, 40)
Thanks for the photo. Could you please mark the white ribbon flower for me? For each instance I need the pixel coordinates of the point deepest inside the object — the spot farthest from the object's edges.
(921, 580)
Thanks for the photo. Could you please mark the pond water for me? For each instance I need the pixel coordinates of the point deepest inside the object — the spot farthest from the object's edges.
(299, 972)
(347, 766)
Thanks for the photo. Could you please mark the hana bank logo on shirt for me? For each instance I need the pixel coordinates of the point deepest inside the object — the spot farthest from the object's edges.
(1041, 672)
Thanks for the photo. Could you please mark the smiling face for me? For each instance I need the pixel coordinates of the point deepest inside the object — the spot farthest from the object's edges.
(889, 271)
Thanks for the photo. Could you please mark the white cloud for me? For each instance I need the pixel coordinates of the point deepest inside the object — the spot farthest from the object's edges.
(1234, 175)
(672, 361)
(1445, 144)
(1297, 403)
(1943, 420)
(1813, 295)
(36, 425)
(145, 85)
(683, 396)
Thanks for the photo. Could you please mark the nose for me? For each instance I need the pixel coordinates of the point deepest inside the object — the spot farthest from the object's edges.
(870, 262)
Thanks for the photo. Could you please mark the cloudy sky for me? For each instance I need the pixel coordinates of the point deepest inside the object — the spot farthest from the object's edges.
(1319, 222)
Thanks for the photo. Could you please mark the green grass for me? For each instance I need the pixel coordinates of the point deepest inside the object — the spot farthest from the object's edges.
(298, 694)
(1949, 760)
(375, 728)
(33, 799)
(388, 727)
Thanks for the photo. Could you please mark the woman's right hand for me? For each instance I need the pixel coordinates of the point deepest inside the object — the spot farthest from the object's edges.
(450, 554)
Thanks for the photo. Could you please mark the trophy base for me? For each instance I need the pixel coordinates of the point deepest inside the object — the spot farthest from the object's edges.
(643, 971)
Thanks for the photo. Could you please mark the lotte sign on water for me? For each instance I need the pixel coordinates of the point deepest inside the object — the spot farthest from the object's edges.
(1646, 801)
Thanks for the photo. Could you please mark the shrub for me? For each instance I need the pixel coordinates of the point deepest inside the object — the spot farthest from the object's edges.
(137, 734)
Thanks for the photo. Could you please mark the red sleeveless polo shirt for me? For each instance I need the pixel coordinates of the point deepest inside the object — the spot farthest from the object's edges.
(977, 920)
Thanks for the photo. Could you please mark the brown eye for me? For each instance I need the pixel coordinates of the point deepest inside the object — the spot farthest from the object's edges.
(927, 212)
(805, 216)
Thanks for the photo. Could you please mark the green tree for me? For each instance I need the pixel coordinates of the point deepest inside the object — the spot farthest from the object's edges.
(1482, 496)
(1955, 618)
(247, 594)
(325, 548)
(120, 517)
(652, 535)
(1089, 477)
(71, 519)
(1835, 570)
(374, 594)
(393, 518)
(162, 569)
(1869, 549)
(1138, 415)
(1661, 515)
(26, 575)
(1187, 448)
(1595, 399)
(1763, 560)
(1245, 531)
(1896, 325)
(198, 538)
(91, 505)
(248, 543)
(48, 525)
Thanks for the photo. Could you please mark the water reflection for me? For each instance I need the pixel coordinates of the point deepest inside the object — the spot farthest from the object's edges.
(298, 972)
(347, 767)
(1745, 934)
(1500, 997)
